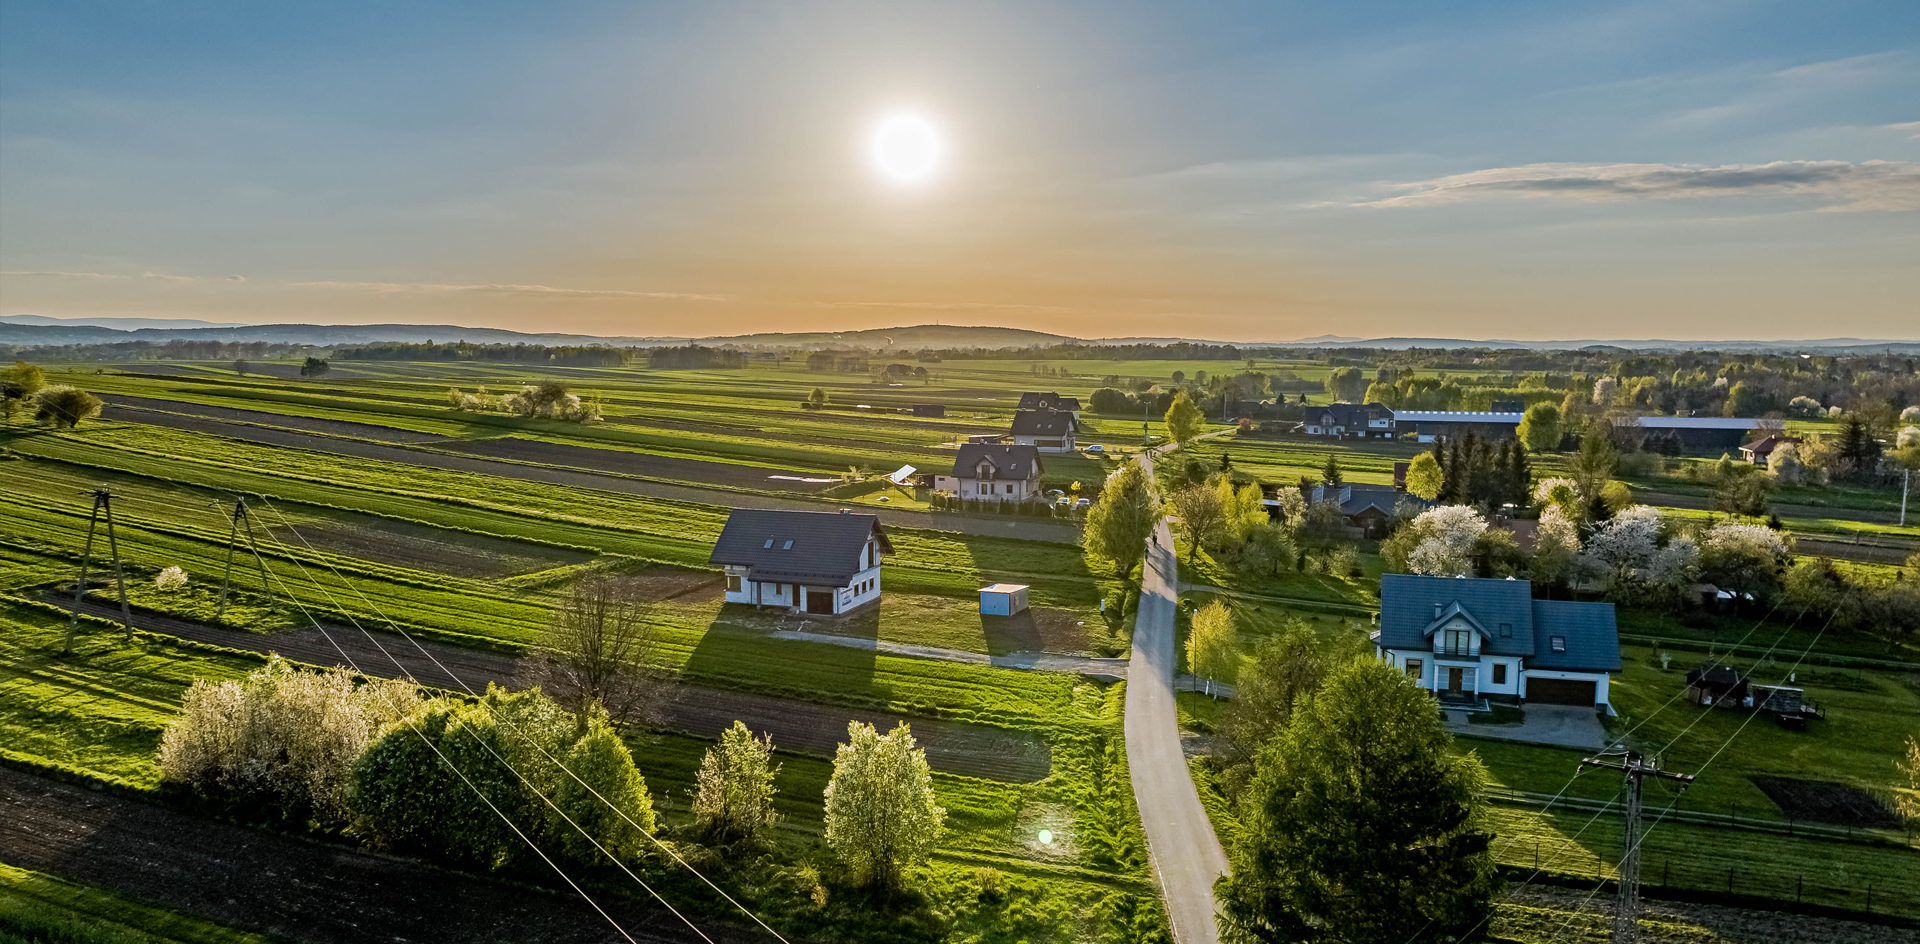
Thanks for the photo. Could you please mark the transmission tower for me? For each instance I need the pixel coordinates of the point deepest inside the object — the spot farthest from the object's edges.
(1626, 913)
(241, 518)
(102, 507)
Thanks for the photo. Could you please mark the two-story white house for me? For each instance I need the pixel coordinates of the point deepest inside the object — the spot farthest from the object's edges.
(1344, 420)
(803, 561)
(994, 472)
(1045, 430)
(1471, 640)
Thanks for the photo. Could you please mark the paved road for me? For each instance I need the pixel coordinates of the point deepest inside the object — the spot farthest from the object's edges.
(1186, 854)
(306, 891)
(1003, 527)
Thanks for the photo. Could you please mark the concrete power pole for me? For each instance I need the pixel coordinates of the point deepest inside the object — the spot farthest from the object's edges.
(240, 517)
(1626, 914)
(102, 507)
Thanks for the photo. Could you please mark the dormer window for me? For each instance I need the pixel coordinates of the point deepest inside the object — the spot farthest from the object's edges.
(1559, 644)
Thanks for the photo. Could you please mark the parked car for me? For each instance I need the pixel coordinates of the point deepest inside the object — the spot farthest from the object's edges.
(1083, 504)
(1096, 447)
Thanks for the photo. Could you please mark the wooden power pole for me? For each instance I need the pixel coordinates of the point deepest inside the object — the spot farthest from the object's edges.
(1626, 914)
(102, 507)
(241, 517)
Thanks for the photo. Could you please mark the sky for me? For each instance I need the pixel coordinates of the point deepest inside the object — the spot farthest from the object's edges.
(1244, 172)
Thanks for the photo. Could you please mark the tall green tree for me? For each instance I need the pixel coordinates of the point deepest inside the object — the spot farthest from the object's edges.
(314, 368)
(1119, 524)
(1361, 826)
(64, 407)
(18, 386)
(1330, 473)
(1184, 418)
(881, 814)
(1540, 427)
(1424, 476)
(1210, 651)
(1347, 383)
(734, 789)
(1203, 517)
(1288, 665)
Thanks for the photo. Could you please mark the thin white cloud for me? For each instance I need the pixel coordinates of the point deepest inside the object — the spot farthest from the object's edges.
(116, 277)
(531, 291)
(1871, 185)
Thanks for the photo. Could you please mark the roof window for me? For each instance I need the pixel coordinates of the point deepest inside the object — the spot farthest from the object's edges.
(787, 547)
(1506, 629)
(1559, 643)
(768, 544)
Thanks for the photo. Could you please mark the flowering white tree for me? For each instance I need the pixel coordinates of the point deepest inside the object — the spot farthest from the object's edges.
(1556, 544)
(1785, 464)
(1444, 539)
(1675, 566)
(1604, 390)
(170, 579)
(1626, 541)
(1744, 558)
(1558, 491)
(1805, 407)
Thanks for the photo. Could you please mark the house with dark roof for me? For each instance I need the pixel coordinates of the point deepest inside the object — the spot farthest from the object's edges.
(1471, 640)
(1760, 451)
(1343, 420)
(1050, 401)
(802, 561)
(1693, 432)
(1367, 507)
(1428, 425)
(994, 472)
(1045, 430)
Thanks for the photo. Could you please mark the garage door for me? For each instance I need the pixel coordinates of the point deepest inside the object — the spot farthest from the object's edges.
(1549, 691)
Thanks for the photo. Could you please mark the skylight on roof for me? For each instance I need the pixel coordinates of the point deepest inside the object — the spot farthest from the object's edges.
(1559, 643)
(768, 544)
(788, 547)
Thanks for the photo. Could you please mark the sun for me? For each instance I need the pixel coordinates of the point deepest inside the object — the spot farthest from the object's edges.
(905, 148)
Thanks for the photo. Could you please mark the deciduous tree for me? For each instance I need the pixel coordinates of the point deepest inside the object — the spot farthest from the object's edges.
(1184, 418)
(597, 650)
(1202, 516)
(1540, 427)
(1425, 477)
(1210, 650)
(1119, 524)
(65, 406)
(881, 815)
(734, 789)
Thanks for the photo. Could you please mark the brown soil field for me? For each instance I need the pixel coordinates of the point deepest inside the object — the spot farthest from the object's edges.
(1821, 801)
(423, 547)
(621, 462)
(996, 526)
(306, 891)
(120, 406)
(659, 583)
(956, 747)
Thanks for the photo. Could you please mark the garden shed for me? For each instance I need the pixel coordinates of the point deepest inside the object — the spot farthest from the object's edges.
(1003, 599)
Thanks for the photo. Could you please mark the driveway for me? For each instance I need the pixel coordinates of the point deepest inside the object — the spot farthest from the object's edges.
(1186, 853)
(1558, 725)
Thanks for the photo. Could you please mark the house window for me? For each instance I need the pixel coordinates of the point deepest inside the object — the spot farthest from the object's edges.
(788, 546)
(1506, 630)
(1458, 641)
(1416, 668)
(1499, 673)
(768, 544)
(1559, 643)
(733, 583)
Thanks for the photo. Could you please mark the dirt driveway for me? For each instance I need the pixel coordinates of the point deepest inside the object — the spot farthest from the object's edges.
(304, 890)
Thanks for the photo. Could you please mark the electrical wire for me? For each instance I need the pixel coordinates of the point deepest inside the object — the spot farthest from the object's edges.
(536, 746)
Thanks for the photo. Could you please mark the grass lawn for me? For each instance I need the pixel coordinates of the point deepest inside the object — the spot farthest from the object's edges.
(36, 907)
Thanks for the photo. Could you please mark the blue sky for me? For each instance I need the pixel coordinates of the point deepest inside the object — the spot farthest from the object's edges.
(1238, 171)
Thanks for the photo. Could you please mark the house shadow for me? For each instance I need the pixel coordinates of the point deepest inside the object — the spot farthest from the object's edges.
(777, 652)
(1008, 634)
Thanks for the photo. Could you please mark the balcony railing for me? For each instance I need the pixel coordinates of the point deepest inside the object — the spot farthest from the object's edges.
(1445, 650)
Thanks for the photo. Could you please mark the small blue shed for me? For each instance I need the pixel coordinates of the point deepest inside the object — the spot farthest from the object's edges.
(1003, 599)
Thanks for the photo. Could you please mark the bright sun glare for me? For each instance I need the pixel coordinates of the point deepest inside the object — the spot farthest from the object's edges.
(905, 148)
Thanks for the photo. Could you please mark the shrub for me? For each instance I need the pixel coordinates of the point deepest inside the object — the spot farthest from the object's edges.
(170, 579)
(881, 814)
(65, 406)
(608, 801)
(282, 735)
(734, 788)
(418, 789)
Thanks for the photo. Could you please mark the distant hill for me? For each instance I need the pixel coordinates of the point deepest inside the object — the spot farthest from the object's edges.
(123, 323)
(32, 330)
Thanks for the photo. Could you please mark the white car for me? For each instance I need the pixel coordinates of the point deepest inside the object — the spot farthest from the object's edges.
(1096, 447)
(1083, 504)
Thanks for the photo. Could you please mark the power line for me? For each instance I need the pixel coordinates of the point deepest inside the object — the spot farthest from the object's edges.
(483, 743)
(531, 742)
(415, 728)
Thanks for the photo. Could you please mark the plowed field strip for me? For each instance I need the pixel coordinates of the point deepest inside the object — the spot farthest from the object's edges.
(277, 885)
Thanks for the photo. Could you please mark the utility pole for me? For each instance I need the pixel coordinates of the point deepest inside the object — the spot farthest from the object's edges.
(241, 517)
(1626, 914)
(102, 507)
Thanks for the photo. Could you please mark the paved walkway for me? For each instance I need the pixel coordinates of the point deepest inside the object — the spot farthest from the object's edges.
(1559, 725)
(1186, 854)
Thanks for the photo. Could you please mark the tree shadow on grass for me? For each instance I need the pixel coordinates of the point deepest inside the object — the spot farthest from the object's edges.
(744, 648)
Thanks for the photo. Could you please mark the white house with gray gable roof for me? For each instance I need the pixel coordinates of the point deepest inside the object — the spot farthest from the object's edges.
(802, 561)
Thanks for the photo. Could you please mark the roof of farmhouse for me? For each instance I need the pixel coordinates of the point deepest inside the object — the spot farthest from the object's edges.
(1456, 416)
(797, 546)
